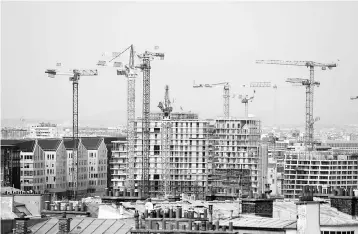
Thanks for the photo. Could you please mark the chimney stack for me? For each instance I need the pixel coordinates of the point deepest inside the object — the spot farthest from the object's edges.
(308, 213)
(346, 203)
(64, 224)
(260, 207)
(21, 224)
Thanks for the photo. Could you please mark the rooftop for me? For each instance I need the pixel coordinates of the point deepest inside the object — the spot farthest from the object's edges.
(49, 144)
(68, 143)
(329, 216)
(92, 143)
(27, 146)
(86, 225)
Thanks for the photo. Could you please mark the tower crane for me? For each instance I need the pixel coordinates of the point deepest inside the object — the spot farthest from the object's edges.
(309, 92)
(130, 72)
(166, 138)
(352, 98)
(74, 75)
(146, 57)
(245, 99)
(226, 94)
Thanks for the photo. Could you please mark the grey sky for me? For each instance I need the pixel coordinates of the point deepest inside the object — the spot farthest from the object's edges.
(205, 42)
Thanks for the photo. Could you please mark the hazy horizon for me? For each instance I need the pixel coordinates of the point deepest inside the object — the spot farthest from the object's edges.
(207, 42)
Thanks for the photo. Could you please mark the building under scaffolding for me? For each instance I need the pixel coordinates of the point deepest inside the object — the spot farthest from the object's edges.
(189, 152)
(238, 147)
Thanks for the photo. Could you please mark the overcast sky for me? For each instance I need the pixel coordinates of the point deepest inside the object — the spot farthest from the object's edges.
(205, 42)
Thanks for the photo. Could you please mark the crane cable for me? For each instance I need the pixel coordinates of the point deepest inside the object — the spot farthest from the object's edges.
(120, 54)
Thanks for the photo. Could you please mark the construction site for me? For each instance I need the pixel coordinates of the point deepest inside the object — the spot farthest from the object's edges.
(169, 154)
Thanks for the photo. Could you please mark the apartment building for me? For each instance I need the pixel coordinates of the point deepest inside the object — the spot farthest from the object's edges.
(348, 147)
(318, 168)
(14, 133)
(82, 178)
(56, 166)
(97, 164)
(189, 152)
(109, 145)
(32, 166)
(118, 164)
(275, 177)
(10, 164)
(238, 147)
(45, 130)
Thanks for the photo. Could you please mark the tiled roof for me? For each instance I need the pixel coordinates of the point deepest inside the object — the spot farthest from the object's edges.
(10, 142)
(27, 146)
(49, 144)
(86, 225)
(92, 143)
(68, 143)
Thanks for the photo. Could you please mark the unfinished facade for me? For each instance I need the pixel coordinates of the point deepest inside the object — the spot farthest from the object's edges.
(318, 168)
(189, 151)
(238, 147)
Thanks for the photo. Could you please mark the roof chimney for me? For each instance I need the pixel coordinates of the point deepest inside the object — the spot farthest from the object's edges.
(308, 221)
(21, 224)
(64, 224)
(346, 203)
(261, 207)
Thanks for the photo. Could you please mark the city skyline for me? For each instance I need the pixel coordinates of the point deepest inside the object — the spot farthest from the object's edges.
(221, 43)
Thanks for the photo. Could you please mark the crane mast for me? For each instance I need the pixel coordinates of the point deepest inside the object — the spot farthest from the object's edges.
(166, 138)
(75, 75)
(130, 121)
(129, 71)
(146, 57)
(309, 128)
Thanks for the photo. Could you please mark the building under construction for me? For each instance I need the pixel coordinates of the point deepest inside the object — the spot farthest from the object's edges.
(189, 153)
(238, 148)
(199, 149)
(322, 168)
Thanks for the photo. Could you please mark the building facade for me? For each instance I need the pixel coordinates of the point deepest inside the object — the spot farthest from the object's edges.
(238, 147)
(45, 130)
(348, 147)
(82, 176)
(318, 168)
(118, 164)
(56, 166)
(14, 133)
(32, 164)
(97, 164)
(188, 160)
(10, 164)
